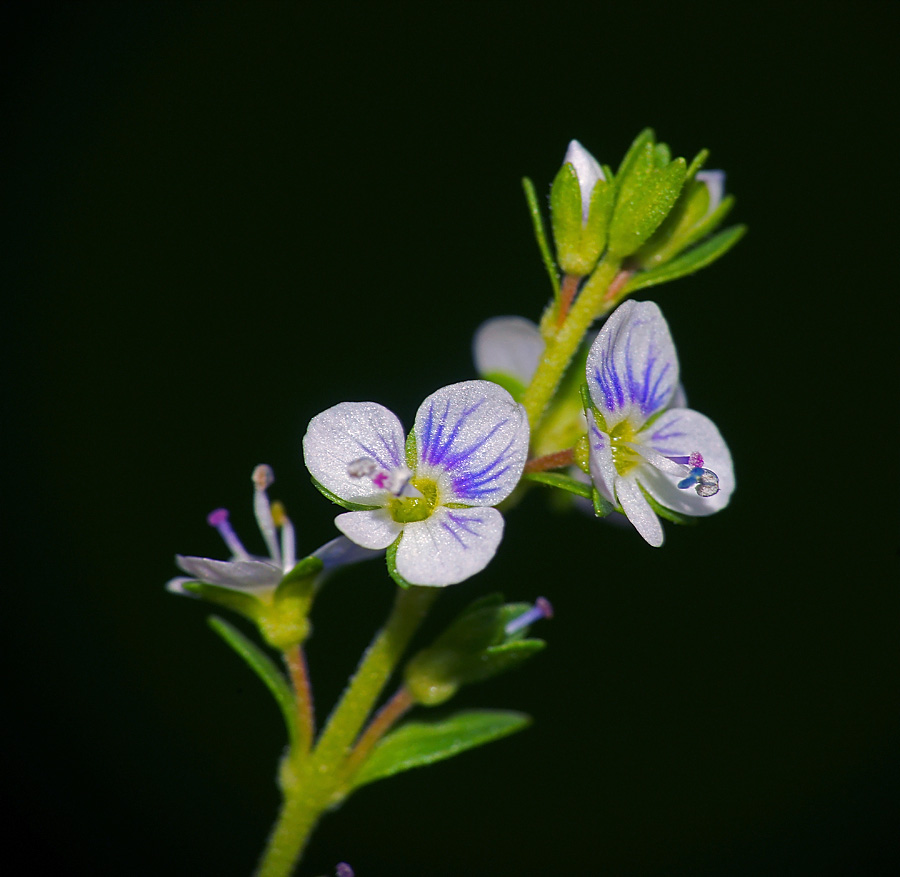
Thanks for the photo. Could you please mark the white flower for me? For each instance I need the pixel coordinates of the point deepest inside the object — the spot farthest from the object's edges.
(251, 574)
(588, 171)
(641, 444)
(507, 350)
(428, 499)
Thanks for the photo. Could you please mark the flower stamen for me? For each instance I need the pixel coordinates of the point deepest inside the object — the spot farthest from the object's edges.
(394, 481)
(262, 477)
(541, 609)
(219, 519)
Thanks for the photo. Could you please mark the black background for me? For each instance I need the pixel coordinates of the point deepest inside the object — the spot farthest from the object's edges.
(223, 219)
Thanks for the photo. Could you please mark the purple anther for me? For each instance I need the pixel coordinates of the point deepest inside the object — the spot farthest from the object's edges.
(380, 480)
(219, 519)
(262, 476)
(541, 609)
(695, 461)
(343, 870)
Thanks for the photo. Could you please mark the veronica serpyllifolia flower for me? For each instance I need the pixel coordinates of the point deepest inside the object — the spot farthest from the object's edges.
(429, 499)
(643, 450)
(273, 590)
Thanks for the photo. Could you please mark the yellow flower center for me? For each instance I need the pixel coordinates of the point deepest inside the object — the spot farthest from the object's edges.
(624, 457)
(407, 509)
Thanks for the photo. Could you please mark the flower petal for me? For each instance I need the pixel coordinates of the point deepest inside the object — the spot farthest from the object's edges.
(374, 529)
(472, 438)
(715, 185)
(603, 468)
(450, 546)
(342, 552)
(587, 170)
(241, 575)
(632, 367)
(638, 510)
(347, 432)
(681, 432)
(509, 346)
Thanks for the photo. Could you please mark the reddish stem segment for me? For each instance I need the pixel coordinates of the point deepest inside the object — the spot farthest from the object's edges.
(567, 292)
(295, 659)
(387, 716)
(617, 283)
(551, 461)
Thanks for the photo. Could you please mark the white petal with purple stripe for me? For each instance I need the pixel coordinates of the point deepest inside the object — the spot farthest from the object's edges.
(345, 433)
(472, 439)
(678, 433)
(450, 546)
(632, 367)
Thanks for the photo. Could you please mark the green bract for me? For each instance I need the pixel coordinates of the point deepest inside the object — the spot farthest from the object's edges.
(475, 647)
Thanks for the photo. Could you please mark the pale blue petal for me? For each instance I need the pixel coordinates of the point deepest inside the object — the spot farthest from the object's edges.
(343, 552)
(638, 510)
(240, 575)
(632, 367)
(603, 468)
(508, 346)
(472, 439)
(450, 546)
(680, 432)
(347, 432)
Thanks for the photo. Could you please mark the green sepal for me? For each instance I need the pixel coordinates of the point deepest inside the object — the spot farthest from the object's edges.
(645, 196)
(602, 506)
(264, 667)
(668, 514)
(688, 262)
(636, 149)
(560, 481)
(579, 245)
(391, 557)
(243, 602)
(416, 744)
(351, 506)
(303, 571)
(512, 385)
(470, 650)
(697, 163)
(503, 658)
(411, 451)
(540, 234)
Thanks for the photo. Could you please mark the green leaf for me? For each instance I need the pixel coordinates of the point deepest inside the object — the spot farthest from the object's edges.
(697, 163)
(602, 506)
(688, 262)
(304, 569)
(512, 385)
(264, 667)
(352, 506)
(416, 744)
(242, 602)
(563, 482)
(540, 234)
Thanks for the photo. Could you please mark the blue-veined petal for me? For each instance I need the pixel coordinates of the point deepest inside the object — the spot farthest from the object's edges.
(374, 529)
(603, 468)
(450, 546)
(632, 367)
(345, 433)
(508, 346)
(680, 432)
(638, 510)
(472, 439)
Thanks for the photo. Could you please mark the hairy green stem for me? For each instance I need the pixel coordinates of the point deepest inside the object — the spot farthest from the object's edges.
(312, 781)
(561, 347)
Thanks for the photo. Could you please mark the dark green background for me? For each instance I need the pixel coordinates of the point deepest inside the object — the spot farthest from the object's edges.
(225, 218)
